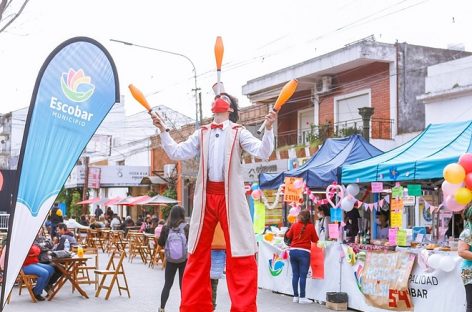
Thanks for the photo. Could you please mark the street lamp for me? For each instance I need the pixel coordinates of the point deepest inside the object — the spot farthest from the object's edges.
(196, 89)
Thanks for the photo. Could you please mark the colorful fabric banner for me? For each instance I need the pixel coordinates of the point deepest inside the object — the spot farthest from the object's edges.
(317, 262)
(259, 216)
(75, 89)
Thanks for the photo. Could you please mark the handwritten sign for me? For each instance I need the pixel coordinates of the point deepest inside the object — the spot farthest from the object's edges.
(396, 204)
(293, 189)
(419, 238)
(384, 280)
(401, 238)
(333, 230)
(396, 219)
(336, 214)
(377, 187)
(414, 189)
(397, 192)
(392, 237)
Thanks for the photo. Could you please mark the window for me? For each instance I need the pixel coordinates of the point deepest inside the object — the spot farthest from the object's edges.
(305, 120)
(347, 120)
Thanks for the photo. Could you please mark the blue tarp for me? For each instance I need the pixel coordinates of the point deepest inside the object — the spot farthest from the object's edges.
(422, 158)
(322, 169)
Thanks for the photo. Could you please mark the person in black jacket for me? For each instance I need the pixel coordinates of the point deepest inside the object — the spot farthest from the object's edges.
(56, 218)
(176, 218)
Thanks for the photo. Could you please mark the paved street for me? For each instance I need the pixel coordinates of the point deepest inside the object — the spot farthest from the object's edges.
(145, 286)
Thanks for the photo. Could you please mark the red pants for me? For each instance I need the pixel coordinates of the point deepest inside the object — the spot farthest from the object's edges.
(241, 272)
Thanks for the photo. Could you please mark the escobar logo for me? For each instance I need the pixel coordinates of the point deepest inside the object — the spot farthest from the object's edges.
(276, 265)
(77, 87)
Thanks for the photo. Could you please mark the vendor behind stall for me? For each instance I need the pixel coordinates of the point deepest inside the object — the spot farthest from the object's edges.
(382, 225)
(352, 225)
(322, 221)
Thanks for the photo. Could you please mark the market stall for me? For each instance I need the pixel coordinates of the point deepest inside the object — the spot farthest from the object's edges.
(430, 289)
(403, 254)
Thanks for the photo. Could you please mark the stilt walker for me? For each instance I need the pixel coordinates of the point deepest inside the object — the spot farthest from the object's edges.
(220, 197)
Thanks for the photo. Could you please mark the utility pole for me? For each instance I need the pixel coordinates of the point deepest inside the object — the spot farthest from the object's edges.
(85, 189)
(200, 107)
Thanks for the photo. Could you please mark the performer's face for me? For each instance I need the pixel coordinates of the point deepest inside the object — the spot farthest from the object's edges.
(220, 117)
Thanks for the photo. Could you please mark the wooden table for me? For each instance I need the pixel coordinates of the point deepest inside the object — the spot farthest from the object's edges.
(68, 268)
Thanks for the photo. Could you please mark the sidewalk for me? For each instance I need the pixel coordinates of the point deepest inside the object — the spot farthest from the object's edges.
(145, 288)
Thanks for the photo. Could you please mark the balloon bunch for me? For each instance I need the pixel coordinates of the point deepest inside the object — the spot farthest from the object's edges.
(443, 262)
(256, 191)
(293, 213)
(348, 202)
(458, 183)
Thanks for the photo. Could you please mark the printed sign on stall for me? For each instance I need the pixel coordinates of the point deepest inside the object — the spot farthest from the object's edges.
(397, 192)
(414, 189)
(336, 214)
(293, 189)
(392, 236)
(333, 230)
(396, 204)
(396, 219)
(377, 187)
(384, 280)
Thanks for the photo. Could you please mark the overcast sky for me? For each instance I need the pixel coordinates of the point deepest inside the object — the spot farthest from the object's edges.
(259, 37)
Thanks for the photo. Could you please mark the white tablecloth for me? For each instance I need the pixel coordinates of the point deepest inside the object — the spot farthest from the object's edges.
(431, 291)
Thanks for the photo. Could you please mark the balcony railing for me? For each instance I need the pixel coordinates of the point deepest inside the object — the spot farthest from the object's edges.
(317, 134)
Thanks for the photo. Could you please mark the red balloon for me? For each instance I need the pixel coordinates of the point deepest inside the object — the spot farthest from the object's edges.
(468, 181)
(466, 162)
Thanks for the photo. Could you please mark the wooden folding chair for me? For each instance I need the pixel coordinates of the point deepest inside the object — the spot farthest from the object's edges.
(159, 255)
(113, 270)
(28, 282)
(83, 275)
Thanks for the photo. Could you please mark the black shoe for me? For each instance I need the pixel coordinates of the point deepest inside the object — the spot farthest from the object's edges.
(39, 297)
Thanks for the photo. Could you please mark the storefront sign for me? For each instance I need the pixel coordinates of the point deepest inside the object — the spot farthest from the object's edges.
(94, 178)
(251, 171)
(293, 189)
(110, 176)
(384, 280)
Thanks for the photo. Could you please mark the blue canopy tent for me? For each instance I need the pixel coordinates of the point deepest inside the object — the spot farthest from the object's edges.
(322, 169)
(422, 158)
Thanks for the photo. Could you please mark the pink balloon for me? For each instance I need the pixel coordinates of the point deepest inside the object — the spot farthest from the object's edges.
(452, 205)
(1, 180)
(256, 194)
(298, 183)
(449, 188)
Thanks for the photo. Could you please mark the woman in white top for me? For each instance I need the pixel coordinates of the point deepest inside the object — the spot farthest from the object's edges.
(321, 226)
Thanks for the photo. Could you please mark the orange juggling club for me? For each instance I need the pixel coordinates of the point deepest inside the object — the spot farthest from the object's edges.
(285, 94)
(139, 96)
(219, 51)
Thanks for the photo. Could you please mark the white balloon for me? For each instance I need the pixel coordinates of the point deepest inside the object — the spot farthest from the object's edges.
(353, 189)
(434, 261)
(346, 204)
(449, 188)
(447, 264)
